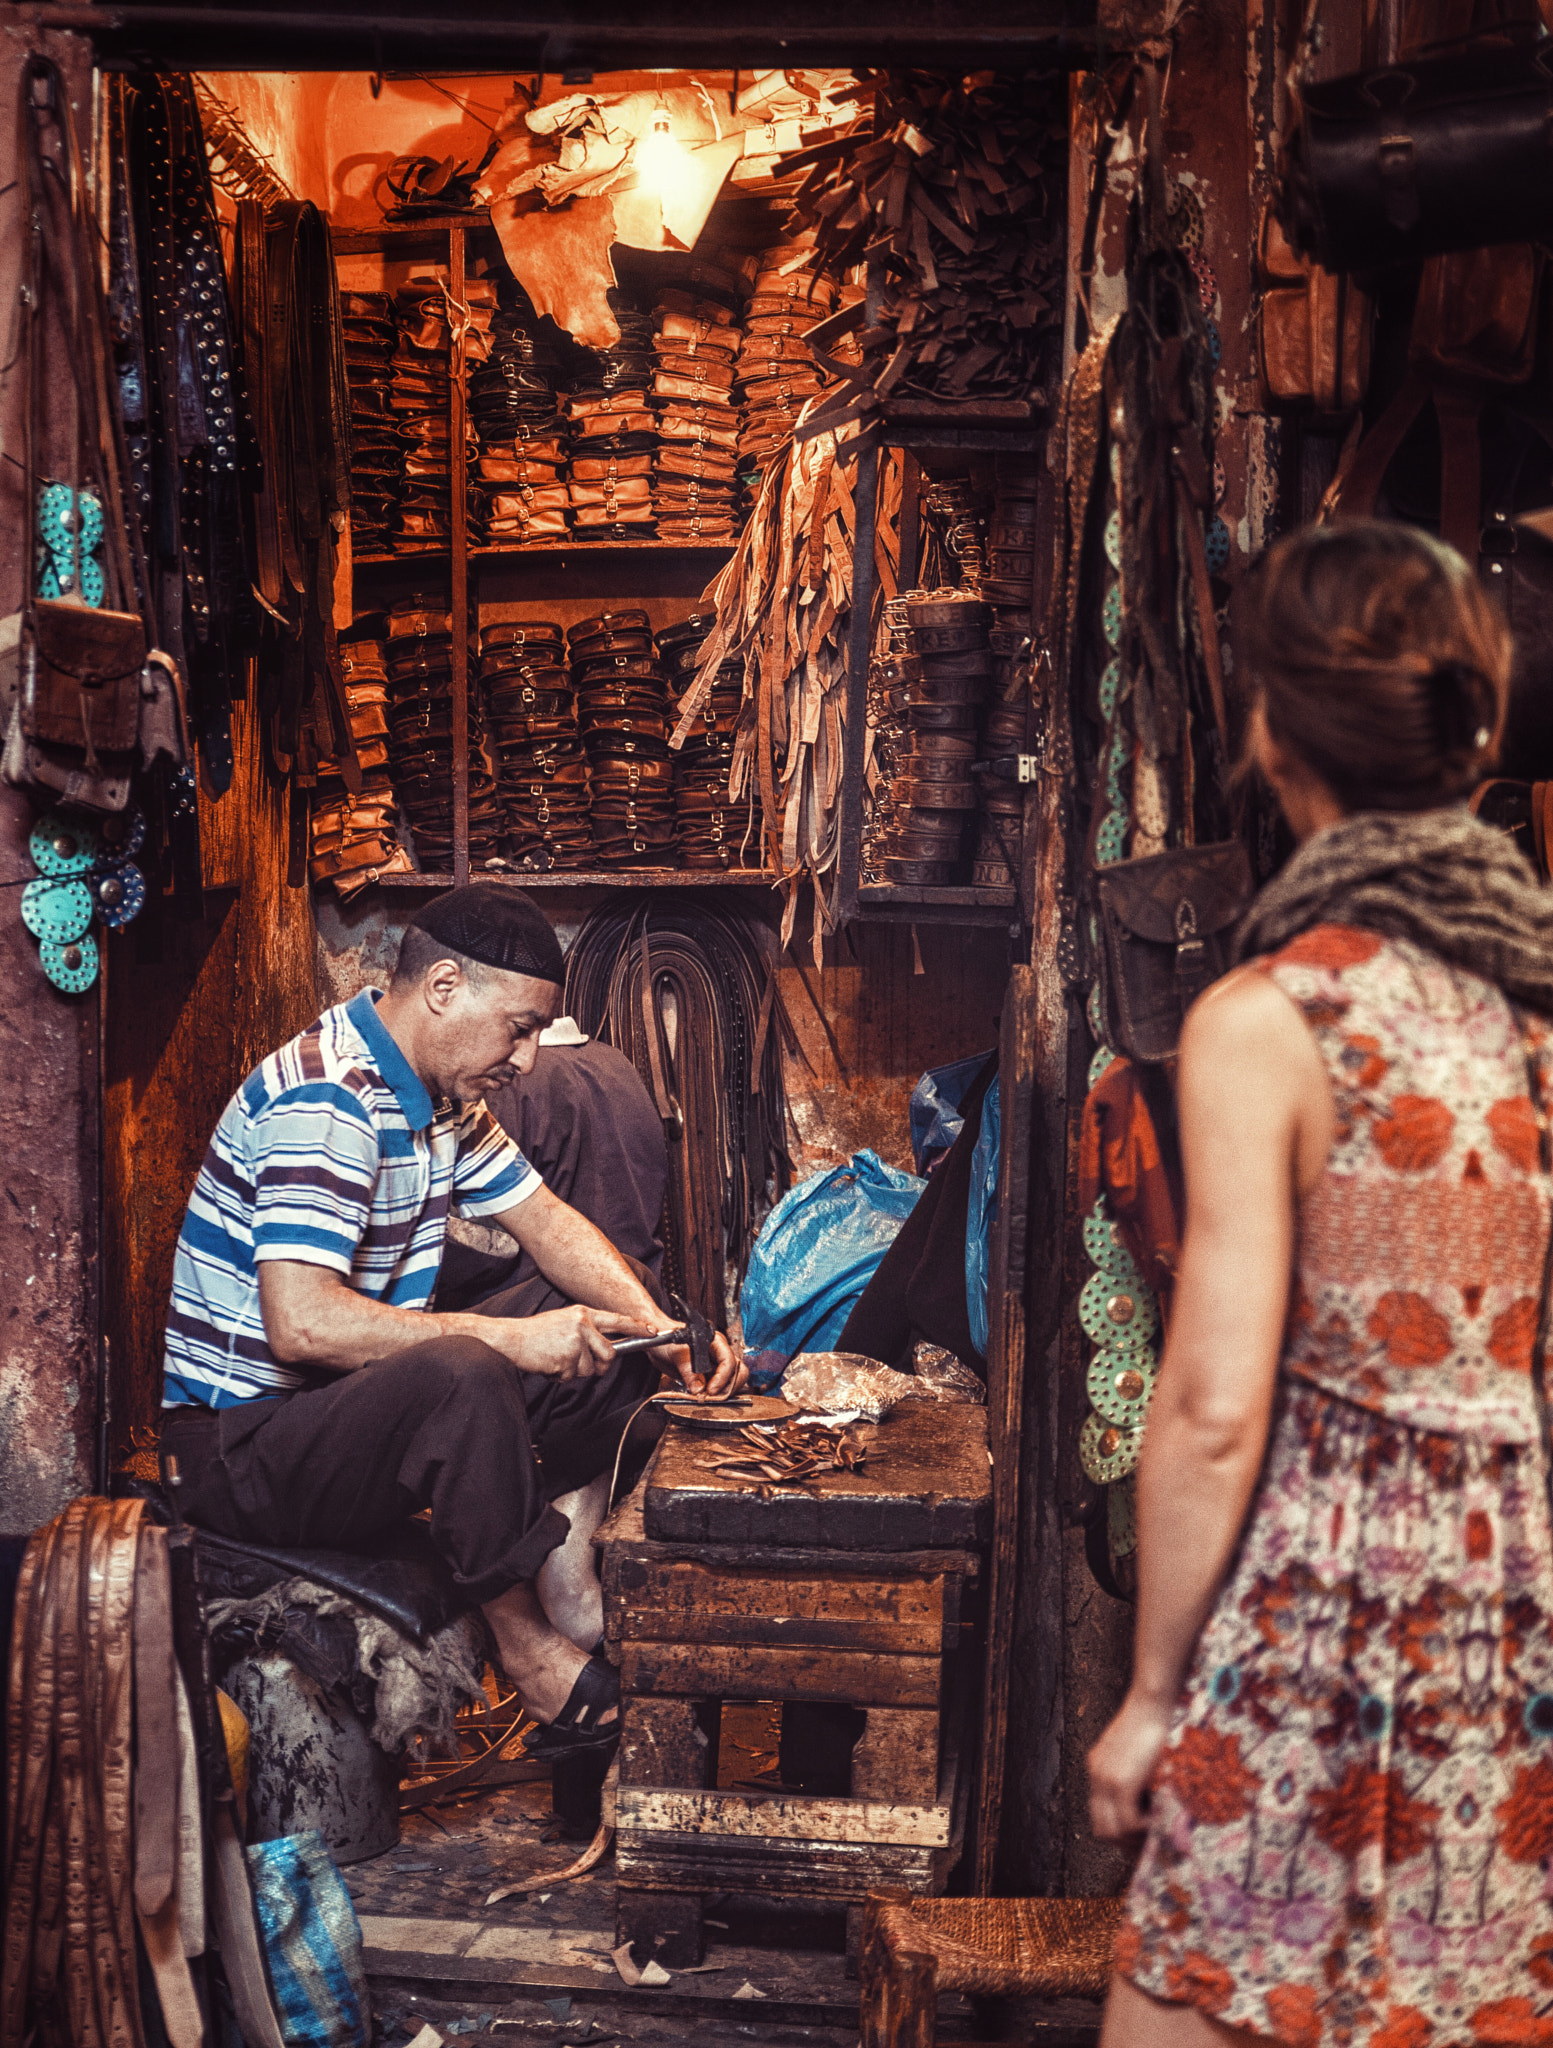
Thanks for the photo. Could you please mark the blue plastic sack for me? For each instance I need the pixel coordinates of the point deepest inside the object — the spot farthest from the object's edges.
(935, 1106)
(818, 1250)
(978, 1219)
(312, 1943)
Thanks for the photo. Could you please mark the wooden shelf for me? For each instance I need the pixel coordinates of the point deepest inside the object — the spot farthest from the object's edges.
(574, 551)
(949, 903)
(390, 237)
(599, 878)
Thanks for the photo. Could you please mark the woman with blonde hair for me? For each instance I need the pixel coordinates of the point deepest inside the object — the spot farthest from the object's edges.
(1338, 1739)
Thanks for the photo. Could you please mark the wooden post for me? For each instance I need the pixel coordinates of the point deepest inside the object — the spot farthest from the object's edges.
(458, 463)
(865, 498)
(1005, 1395)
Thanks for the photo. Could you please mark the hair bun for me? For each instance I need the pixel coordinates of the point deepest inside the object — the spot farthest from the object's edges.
(1459, 697)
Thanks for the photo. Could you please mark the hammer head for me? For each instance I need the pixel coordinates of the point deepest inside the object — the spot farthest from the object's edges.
(699, 1332)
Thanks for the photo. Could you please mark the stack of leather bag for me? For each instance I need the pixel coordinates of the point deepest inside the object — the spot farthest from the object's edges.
(521, 495)
(946, 676)
(541, 768)
(418, 659)
(1008, 587)
(353, 838)
(612, 430)
(707, 821)
(623, 713)
(777, 371)
(419, 397)
(696, 476)
(377, 446)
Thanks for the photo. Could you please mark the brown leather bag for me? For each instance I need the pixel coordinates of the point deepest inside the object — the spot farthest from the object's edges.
(1167, 927)
(1316, 329)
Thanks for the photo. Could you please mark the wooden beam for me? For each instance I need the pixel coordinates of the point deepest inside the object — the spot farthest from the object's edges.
(790, 1815)
(896, 1757)
(704, 1671)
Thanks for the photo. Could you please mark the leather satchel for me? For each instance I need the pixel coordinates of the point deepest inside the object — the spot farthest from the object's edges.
(1446, 151)
(1167, 929)
(1316, 328)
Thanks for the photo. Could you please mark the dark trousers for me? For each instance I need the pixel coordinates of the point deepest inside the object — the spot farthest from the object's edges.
(447, 1424)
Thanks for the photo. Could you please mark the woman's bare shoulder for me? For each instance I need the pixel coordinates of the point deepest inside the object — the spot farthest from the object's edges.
(1247, 1021)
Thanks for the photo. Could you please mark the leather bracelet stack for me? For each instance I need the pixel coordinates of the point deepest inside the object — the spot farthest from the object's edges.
(371, 333)
(520, 496)
(1008, 587)
(695, 481)
(418, 660)
(542, 770)
(777, 371)
(711, 827)
(353, 839)
(623, 714)
(944, 677)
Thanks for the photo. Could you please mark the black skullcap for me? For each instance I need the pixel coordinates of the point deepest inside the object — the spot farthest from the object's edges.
(497, 925)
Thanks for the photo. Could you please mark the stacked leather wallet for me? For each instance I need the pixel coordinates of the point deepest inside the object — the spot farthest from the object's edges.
(419, 397)
(542, 770)
(418, 663)
(612, 430)
(777, 372)
(695, 480)
(353, 839)
(623, 714)
(1008, 587)
(520, 468)
(711, 830)
(371, 333)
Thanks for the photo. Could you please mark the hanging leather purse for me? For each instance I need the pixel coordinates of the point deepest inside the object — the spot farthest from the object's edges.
(1316, 329)
(1167, 924)
(1446, 151)
(73, 729)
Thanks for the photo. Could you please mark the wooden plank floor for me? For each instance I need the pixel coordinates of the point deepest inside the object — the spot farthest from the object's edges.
(436, 1953)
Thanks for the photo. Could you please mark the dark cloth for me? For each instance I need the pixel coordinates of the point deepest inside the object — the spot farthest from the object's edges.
(1456, 887)
(447, 1424)
(589, 1129)
(917, 1293)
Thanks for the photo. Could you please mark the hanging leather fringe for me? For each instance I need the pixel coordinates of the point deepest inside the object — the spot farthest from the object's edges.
(783, 606)
(688, 993)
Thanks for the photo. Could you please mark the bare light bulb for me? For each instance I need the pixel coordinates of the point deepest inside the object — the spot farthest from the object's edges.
(661, 164)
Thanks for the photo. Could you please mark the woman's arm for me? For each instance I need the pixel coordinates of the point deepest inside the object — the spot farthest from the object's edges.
(1256, 1125)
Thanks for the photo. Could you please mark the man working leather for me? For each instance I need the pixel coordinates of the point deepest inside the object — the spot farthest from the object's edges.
(311, 1395)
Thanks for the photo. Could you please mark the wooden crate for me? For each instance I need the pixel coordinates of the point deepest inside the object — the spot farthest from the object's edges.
(692, 1623)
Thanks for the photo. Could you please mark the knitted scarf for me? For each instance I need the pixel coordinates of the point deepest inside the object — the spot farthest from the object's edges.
(1455, 887)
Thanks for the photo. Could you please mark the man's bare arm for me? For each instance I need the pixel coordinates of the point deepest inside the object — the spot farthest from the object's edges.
(312, 1316)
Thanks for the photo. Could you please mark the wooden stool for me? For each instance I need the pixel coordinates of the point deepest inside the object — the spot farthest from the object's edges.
(1036, 1948)
(853, 1591)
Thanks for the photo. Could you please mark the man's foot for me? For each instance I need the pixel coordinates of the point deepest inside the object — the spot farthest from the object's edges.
(536, 1657)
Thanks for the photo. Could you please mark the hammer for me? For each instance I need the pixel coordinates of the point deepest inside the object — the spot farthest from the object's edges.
(693, 1330)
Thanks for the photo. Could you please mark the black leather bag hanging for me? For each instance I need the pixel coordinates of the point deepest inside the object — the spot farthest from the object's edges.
(1450, 150)
(1167, 928)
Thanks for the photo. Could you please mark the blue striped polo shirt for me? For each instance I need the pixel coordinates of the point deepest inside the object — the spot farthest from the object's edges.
(330, 1154)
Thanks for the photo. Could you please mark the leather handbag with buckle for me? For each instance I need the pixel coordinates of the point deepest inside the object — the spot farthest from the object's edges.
(1167, 926)
(1446, 151)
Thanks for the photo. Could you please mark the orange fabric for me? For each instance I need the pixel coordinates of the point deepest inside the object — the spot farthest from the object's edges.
(1119, 1156)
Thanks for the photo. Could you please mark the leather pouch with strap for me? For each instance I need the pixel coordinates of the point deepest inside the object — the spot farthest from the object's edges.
(1445, 151)
(1167, 927)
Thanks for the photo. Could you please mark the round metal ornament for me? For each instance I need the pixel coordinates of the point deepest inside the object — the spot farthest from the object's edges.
(121, 836)
(1119, 1384)
(57, 907)
(1106, 1451)
(71, 966)
(120, 894)
(62, 846)
(1115, 1313)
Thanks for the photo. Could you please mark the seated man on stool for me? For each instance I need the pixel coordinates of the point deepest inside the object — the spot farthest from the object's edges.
(312, 1397)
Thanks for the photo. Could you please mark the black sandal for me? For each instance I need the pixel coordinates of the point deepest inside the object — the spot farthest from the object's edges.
(577, 1726)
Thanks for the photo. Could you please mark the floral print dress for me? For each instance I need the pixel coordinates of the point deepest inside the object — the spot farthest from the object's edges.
(1351, 1830)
